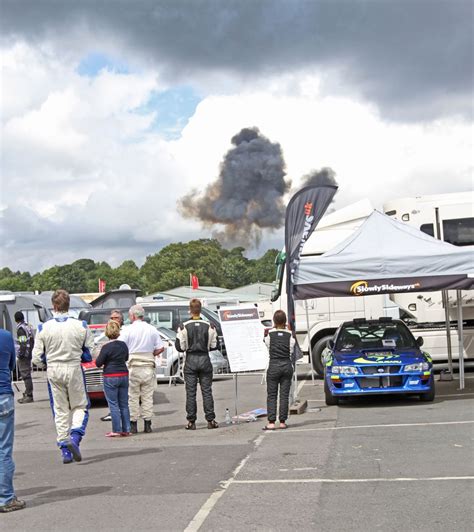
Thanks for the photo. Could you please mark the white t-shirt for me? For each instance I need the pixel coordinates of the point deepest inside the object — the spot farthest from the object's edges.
(141, 337)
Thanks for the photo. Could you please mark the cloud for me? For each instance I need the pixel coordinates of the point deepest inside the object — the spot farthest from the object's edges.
(86, 172)
(412, 59)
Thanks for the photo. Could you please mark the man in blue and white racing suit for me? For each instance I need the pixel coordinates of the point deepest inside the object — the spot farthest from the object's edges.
(62, 343)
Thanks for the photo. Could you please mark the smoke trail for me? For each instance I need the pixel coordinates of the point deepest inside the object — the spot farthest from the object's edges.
(248, 194)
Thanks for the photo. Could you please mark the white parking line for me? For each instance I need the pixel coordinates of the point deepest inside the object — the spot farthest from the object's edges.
(347, 480)
(207, 507)
(347, 427)
(456, 394)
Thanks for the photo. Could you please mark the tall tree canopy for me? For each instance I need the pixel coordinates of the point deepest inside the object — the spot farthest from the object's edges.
(169, 268)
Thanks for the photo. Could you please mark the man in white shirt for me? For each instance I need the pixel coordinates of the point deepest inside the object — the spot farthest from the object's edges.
(144, 344)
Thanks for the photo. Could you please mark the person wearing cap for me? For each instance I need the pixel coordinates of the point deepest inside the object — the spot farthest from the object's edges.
(144, 344)
(24, 334)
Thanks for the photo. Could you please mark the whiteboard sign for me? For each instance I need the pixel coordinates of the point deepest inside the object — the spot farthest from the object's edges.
(243, 337)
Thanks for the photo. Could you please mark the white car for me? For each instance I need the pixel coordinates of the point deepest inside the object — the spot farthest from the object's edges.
(169, 363)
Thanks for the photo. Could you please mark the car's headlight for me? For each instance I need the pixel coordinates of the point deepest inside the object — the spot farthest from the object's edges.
(344, 370)
(419, 366)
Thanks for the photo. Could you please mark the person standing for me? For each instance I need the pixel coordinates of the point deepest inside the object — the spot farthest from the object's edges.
(113, 357)
(280, 344)
(24, 334)
(62, 343)
(197, 337)
(144, 344)
(115, 315)
(8, 500)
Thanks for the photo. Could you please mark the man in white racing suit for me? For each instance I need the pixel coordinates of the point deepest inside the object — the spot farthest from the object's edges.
(144, 344)
(62, 343)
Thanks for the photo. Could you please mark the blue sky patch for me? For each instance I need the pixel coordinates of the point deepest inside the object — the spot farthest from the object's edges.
(93, 63)
(173, 108)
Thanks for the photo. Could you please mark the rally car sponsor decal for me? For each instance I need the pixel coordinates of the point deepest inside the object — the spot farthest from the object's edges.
(379, 358)
(427, 356)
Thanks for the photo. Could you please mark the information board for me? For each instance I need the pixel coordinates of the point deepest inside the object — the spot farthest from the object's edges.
(243, 336)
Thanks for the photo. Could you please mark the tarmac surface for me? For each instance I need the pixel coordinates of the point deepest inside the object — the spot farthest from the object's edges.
(385, 463)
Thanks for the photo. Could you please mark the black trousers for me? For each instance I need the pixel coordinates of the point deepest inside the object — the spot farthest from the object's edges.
(279, 374)
(198, 368)
(24, 367)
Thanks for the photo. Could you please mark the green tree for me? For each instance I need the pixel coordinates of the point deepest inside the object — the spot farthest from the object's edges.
(236, 268)
(102, 271)
(263, 269)
(49, 279)
(173, 264)
(127, 273)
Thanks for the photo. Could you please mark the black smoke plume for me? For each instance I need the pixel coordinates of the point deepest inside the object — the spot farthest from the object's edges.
(325, 176)
(248, 194)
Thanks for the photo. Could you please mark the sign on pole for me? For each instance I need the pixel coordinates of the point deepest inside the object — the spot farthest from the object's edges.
(243, 335)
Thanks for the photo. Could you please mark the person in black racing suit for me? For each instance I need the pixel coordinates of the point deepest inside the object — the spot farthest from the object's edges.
(24, 334)
(196, 337)
(280, 344)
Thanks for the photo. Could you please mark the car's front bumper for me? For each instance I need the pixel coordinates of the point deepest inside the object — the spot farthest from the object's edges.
(380, 383)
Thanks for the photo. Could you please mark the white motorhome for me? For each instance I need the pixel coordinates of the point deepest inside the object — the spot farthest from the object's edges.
(449, 217)
(323, 316)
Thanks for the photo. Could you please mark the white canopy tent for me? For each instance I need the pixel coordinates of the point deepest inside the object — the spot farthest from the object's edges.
(387, 256)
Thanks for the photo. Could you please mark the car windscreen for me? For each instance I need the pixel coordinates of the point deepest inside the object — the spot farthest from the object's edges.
(380, 335)
(99, 318)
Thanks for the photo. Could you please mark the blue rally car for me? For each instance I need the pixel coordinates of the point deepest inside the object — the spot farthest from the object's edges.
(376, 357)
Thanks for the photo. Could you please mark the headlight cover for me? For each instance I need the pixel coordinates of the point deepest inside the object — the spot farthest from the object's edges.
(419, 366)
(345, 370)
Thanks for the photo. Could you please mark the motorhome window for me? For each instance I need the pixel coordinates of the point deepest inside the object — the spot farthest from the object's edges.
(459, 232)
(391, 213)
(428, 229)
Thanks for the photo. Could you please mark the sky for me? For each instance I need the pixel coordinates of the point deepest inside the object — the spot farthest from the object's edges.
(112, 112)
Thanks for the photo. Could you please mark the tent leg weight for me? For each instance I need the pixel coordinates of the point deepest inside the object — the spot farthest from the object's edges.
(298, 407)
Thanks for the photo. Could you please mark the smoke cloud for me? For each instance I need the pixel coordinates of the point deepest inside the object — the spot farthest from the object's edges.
(248, 194)
(324, 177)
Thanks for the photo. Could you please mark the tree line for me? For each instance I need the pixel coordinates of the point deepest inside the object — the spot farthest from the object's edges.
(169, 268)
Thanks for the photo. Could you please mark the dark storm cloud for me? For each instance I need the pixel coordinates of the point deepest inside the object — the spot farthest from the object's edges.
(248, 194)
(412, 58)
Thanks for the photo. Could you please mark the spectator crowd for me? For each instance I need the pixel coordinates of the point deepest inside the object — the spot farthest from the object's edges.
(62, 343)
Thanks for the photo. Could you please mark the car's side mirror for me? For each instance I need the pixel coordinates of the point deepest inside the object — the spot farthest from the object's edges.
(330, 344)
(419, 341)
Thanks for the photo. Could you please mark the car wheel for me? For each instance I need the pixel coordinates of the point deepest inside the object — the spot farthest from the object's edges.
(317, 355)
(330, 399)
(430, 395)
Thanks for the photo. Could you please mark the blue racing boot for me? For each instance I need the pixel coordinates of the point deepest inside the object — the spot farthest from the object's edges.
(73, 446)
(65, 453)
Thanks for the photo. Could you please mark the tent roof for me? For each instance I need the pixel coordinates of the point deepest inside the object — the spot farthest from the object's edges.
(385, 256)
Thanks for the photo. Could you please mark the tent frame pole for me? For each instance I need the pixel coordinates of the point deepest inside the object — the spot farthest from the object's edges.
(445, 295)
(310, 353)
(460, 338)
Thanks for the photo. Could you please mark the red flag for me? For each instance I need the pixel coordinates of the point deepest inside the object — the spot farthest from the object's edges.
(101, 285)
(194, 282)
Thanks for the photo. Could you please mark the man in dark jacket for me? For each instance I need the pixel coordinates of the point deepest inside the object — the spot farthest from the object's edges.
(24, 334)
(196, 337)
(8, 500)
